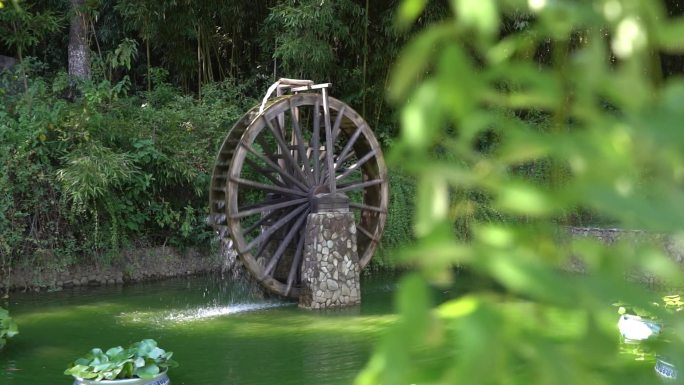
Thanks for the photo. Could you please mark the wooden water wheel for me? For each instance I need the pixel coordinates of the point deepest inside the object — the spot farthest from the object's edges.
(273, 163)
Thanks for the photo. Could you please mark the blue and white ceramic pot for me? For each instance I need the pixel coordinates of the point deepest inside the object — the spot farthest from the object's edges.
(160, 379)
(665, 369)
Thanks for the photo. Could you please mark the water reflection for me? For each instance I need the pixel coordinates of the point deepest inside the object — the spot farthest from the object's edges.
(9, 369)
(221, 332)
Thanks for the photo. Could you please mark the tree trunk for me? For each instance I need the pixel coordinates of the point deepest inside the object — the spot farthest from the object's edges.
(21, 60)
(79, 60)
(365, 57)
(149, 69)
(199, 65)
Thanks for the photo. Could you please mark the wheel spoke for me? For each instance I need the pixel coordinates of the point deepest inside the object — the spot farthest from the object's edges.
(268, 200)
(339, 162)
(300, 143)
(366, 232)
(265, 146)
(285, 242)
(268, 187)
(360, 185)
(268, 207)
(356, 165)
(338, 122)
(285, 148)
(260, 222)
(266, 173)
(329, 162)
(316, 141)
(289, 166)
(275, 227)
(367, 207)
(274, 167)
(349, 145)
(295, 264)
(262, 247)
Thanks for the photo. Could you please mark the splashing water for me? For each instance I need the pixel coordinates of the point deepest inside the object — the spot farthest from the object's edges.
(230, 261)
(173, 317)
(221, 295)
(217, 311)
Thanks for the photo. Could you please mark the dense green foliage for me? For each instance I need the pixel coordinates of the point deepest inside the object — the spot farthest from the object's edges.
(123, 159)
(83, 178)
(8, 328)
(143, 359)
(399, 226)
(612, 144)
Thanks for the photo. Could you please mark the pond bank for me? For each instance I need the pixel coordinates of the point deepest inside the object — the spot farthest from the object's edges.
(136, 265)
(670, 245)
(154, 263)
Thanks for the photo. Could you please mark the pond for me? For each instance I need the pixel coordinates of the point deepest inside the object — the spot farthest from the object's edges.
(219, 332)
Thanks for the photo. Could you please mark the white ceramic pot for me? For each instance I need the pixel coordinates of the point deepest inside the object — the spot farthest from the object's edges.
(635, 328)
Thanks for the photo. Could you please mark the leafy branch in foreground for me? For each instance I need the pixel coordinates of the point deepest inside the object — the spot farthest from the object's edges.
(612, 145)
(8, 328)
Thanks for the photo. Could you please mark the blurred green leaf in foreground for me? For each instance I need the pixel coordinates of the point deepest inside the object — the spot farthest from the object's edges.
(534, 110)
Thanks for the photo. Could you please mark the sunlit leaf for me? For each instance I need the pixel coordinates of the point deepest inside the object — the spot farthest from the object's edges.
(433, 197)
(482, 15)
(524, 199)
(458, 308)
(409, 10)
(671, 35)
(414, 60)
(420, 119)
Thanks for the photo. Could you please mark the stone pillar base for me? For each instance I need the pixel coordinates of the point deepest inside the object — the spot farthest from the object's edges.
(330, 270)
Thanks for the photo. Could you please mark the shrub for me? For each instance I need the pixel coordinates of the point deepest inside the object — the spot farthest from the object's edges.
(83, 178)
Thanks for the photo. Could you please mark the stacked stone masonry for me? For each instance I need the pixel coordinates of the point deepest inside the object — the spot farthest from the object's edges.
(330, 270)
(672, 246)
(148, 264)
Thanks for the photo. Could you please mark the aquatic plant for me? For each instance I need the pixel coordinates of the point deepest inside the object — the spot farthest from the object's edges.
(8, 328)
(143, 359)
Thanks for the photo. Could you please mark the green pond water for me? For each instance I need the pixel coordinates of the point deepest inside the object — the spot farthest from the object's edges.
(219, 333)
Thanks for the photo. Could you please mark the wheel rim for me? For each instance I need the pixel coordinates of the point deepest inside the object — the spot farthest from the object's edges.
(268, 185)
